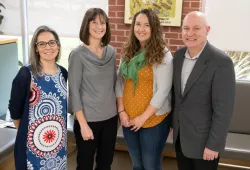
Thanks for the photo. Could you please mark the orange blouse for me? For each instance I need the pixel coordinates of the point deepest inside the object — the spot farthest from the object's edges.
(135, 103)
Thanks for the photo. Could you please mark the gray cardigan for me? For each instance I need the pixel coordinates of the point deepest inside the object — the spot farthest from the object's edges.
(163, 75)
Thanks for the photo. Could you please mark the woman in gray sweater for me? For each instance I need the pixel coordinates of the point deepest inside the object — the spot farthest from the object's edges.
(92, 76)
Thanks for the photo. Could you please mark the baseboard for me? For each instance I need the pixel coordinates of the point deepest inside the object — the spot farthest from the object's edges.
(223, 162)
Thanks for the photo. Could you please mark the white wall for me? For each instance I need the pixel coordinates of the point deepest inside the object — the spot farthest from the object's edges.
(230, 24)
(65, 16)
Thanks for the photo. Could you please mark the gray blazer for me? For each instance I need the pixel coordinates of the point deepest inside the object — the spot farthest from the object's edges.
(203, 113)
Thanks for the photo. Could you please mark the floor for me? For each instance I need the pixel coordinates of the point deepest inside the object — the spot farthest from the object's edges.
(122, 162)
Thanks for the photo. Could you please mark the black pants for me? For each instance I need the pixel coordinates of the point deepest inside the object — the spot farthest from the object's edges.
(103, 145)
(185, 163)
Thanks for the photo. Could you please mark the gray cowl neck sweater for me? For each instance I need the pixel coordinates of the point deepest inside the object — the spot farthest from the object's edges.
(92, 83)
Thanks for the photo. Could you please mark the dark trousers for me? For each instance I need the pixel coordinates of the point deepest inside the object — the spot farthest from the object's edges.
(185, 163)
(103, 145)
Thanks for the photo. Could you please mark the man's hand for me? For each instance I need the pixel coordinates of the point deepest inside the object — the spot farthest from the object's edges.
(210, 155)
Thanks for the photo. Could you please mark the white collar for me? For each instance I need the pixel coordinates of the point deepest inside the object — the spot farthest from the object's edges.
(196, 56)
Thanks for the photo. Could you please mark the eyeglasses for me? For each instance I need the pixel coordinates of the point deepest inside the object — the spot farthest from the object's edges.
(42, 44)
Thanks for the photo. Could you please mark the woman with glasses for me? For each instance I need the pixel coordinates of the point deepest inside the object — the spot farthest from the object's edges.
(38, 106)
(92, 76)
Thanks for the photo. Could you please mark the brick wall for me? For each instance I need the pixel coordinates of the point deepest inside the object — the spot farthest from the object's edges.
(120, 31)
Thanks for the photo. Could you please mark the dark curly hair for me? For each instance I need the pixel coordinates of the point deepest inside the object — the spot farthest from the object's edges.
(154, 46)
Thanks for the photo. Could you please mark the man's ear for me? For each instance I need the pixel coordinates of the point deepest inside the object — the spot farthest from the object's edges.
(208, 29)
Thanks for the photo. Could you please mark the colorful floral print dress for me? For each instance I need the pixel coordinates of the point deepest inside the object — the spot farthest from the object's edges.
(47, 128)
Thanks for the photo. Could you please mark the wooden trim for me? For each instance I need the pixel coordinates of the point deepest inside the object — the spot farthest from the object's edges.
(8, 40)
(235, 162)
(8, 164)
(171, 153)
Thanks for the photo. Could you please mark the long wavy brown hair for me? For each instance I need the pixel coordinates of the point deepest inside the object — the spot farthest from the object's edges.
(154, 46)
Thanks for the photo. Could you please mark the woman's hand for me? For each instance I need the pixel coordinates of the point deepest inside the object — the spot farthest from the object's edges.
(87, 133)
(137, 122)
(124, 119)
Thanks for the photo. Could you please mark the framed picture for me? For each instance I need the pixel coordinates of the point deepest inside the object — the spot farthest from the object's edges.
(169, 11)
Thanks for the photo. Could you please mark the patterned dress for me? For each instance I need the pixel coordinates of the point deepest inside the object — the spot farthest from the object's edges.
(47, 128)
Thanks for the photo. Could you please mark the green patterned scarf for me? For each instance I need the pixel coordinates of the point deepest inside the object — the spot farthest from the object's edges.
(130, 70)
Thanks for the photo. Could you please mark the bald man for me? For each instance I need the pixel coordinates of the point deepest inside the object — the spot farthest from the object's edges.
(204, 92)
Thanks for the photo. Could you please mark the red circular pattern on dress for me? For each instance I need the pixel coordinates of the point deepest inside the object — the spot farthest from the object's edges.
(48, 137)
(35, 96)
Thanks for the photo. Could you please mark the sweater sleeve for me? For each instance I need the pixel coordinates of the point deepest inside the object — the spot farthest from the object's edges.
(19, 92)
(75, 78)
(164, 76)
(119, 82)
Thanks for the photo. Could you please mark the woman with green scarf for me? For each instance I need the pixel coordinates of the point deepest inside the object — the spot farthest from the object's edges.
(143, 91)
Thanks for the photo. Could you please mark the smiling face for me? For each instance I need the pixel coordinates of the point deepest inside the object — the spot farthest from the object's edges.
(97, 27)
(142, 28)
(195, 31)
(50, 51)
